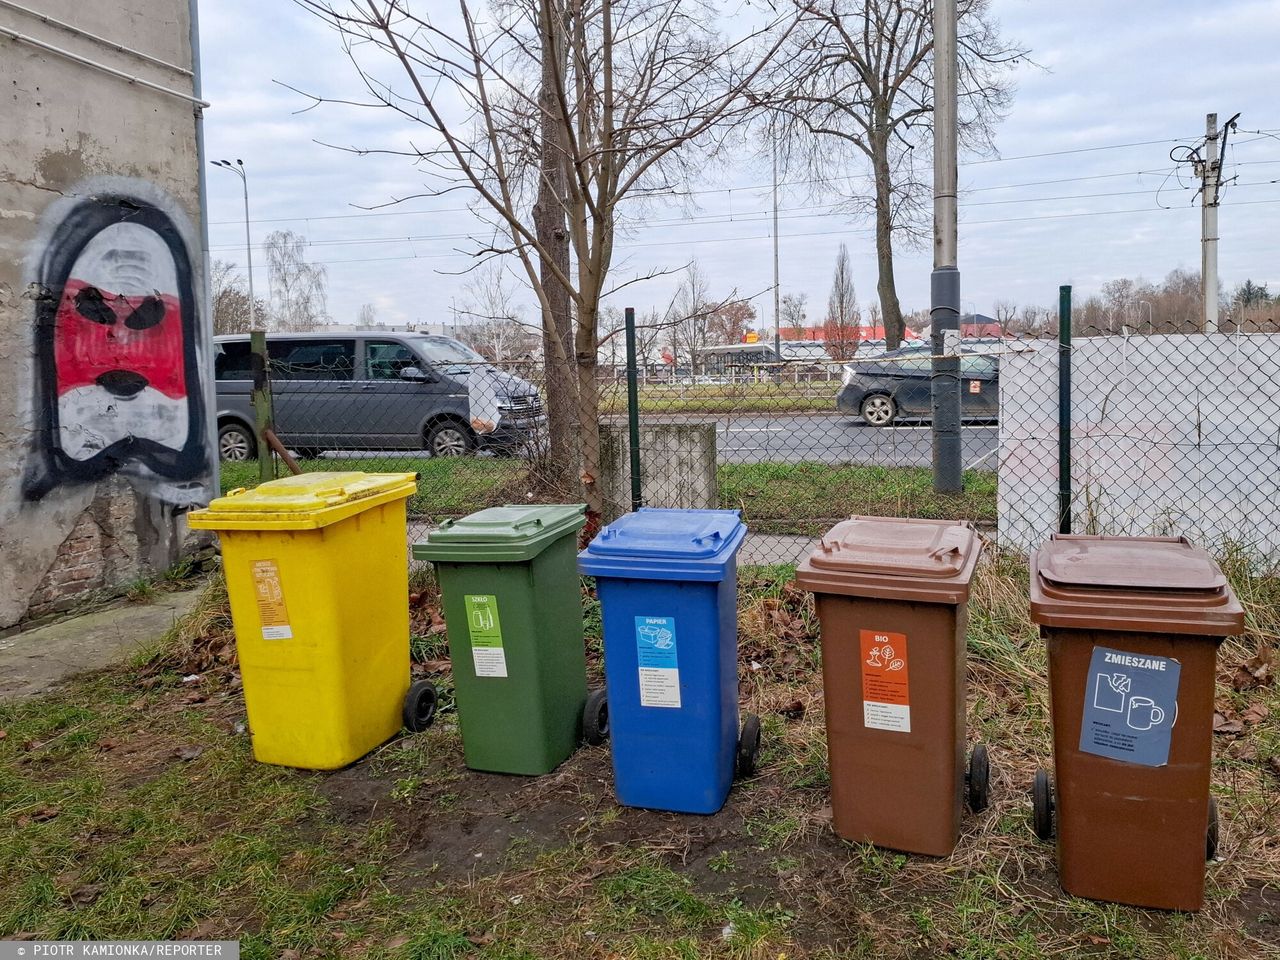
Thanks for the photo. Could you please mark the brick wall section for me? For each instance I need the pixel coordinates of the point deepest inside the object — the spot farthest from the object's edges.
(101, 552)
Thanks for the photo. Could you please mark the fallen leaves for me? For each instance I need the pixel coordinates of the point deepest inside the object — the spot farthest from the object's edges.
(188, 753)
(1254, 672)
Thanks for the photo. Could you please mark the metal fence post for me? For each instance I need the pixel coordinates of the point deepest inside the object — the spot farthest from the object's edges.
(633, 408)
(1064, 409)
(261, 400)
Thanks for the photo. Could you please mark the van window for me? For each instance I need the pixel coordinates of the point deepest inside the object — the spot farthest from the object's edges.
(386, 359)
(232, 361)
(312, 359)
(447, 350)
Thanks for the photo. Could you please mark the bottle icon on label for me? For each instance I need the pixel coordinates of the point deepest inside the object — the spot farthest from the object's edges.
(1144, 714)
(482, 618)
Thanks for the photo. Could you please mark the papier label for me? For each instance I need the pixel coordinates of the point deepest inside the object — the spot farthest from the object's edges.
(658, 662)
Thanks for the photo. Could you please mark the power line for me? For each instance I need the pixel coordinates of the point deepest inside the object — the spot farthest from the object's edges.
(750, 216)
(640, 194)
(818, 233)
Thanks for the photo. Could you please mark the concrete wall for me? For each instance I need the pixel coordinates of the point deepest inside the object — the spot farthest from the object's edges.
(104, 439)
(1171, 435)
(677, 466)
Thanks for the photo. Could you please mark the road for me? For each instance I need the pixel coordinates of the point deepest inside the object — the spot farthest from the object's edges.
(836, 438)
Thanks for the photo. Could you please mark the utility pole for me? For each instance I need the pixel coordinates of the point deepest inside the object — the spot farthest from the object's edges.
(238, 169)
(944, 307)
(777, 308)
(1210, 179)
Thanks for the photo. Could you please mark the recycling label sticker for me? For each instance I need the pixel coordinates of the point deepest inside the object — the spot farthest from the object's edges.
(487, 655)
(658, 662)
(1130, 706)
(272, 612)
(886, 694)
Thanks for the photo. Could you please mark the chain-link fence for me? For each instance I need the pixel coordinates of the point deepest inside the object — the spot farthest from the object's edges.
(1169, 432)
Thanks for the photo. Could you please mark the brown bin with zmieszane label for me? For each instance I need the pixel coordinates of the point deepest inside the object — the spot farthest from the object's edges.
(892, 599)
(1132, 627)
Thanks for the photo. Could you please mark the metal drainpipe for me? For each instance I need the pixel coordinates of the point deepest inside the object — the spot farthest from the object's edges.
(206, 294)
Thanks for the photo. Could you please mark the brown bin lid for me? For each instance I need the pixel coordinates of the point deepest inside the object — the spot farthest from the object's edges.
(1140, 584)
(929, 561)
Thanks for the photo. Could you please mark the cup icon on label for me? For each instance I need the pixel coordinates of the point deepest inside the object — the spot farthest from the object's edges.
(1144, 714)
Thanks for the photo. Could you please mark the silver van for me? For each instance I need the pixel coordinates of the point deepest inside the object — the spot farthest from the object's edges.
(374, 390)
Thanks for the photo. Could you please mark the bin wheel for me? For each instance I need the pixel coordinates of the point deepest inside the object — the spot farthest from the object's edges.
(1211, 834)
(748, 745)
(420, 705)
(595, 718)
(1042, 805)
(979, 778)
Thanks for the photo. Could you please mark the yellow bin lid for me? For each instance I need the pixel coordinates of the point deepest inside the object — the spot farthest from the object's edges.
(305, 502)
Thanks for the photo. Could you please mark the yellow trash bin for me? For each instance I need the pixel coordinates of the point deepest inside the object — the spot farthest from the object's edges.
(317, 575)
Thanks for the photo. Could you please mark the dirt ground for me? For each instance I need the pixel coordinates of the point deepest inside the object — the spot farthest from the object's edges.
(132, 805)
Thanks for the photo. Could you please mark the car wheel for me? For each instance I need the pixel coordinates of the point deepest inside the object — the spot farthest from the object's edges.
(307, 453)
(879, 410)
(449, 439)
(236, 443)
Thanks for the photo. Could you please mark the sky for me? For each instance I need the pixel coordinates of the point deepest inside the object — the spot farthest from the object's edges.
(1081, 189)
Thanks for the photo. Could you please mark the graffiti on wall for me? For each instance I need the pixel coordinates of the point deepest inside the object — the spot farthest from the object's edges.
(118, 346)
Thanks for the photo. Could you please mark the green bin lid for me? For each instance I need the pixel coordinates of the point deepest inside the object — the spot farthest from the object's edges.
(507, 534)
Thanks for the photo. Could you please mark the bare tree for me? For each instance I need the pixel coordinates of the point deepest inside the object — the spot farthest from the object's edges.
(689, 317)
(1006, 316)
(553, 112)
(843, 316)
(857, 92)
(495, 328)
(231, 313)
(794, 316)
(730, 321)
(367, 315)
(298, 298)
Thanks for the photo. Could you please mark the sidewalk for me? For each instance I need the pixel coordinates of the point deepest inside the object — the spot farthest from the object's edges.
(37, 660)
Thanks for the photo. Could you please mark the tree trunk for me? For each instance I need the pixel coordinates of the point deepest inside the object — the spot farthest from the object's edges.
(560, 467)
(587, 354)
(894, 328)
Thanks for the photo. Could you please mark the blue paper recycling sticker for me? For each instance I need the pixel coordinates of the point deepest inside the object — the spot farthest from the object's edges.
(659, 668)
(1130, 706)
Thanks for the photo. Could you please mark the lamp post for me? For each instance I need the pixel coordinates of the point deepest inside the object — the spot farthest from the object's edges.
(238, 169)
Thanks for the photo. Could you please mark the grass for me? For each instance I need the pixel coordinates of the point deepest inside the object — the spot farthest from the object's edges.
(786, 397)
(130, 806)
(809, 497)
(799, 498)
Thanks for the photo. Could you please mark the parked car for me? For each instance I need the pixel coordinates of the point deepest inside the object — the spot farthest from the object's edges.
(368, 390)
(898, 385)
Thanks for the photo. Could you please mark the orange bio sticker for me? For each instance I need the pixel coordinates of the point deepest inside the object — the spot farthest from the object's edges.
(886, 697)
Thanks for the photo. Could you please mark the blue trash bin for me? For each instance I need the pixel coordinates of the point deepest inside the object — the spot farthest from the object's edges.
(668, 582)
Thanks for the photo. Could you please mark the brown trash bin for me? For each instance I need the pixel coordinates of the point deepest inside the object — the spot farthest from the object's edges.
(1132, 626)
(892, 600)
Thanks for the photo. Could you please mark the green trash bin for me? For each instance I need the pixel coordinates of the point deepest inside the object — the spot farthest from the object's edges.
(513, 605)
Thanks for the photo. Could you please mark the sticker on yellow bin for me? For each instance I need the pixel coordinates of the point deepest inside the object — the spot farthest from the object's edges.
(486, 635)
(271, 607)
(886, 697)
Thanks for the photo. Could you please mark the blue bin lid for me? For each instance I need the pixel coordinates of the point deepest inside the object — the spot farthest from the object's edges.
(658, 544)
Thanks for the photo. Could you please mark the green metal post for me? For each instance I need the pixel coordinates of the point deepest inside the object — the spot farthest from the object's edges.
(1064, 409)
(633, 409)
(261, 400)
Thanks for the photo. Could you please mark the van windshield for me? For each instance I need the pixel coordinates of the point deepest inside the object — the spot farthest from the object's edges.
(444, 350)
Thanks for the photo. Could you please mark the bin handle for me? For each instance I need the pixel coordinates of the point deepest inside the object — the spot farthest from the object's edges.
(940, 552)
(532, 522)
(236, 492)
(713, 535)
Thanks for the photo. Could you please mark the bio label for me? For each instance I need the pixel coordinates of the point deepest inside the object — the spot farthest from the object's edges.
(886, 694)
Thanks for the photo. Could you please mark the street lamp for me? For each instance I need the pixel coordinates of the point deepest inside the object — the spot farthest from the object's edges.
(238, 169)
